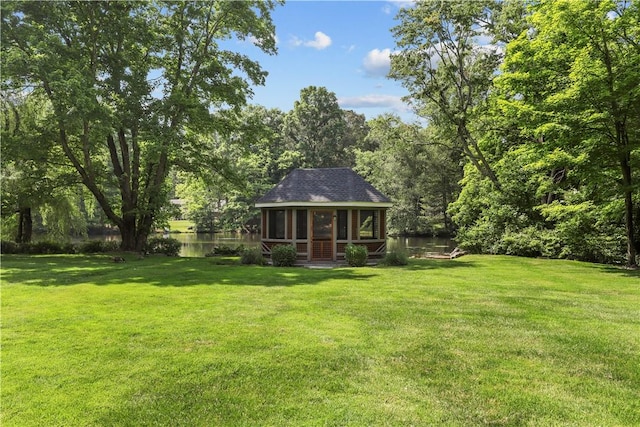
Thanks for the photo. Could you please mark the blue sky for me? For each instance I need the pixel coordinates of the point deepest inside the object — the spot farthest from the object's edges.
(341, 45)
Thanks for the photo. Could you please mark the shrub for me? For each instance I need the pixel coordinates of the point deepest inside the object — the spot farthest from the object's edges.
(224, 250)
(46, 247)
(524, 242)
(9, 247)
(395, 258)
(160, 245)
(91, 247)
(111, 246)
(252, 256)
(283, 255)
(98, 246)
(69, 248)
(37, 248)
(356, 255)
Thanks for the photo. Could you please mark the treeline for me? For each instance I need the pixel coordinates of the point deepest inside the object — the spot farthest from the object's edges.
(542, 99)
(402, 160)
(529, 145)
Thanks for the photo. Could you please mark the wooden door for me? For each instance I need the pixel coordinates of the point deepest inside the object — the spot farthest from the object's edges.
(322, 235)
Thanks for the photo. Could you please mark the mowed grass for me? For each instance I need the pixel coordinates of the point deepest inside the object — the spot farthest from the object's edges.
(480, 340)
(181, 226)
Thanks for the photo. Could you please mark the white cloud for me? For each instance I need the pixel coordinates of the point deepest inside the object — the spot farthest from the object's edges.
(377, 62)
(350, 48)
(400, 4)
(321, 41)
(392, 102)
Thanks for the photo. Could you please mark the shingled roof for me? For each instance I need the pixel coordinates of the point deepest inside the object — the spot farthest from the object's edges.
(321, 187)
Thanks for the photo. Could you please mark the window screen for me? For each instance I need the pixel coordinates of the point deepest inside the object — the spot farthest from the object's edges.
(276, 224)
(301, 224)
(342, 224)
(368, 224)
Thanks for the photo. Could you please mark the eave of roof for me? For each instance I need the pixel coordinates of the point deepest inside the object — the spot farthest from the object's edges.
(293, 204)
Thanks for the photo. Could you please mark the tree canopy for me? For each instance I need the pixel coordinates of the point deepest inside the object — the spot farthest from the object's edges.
(132, 87)
(543, 101)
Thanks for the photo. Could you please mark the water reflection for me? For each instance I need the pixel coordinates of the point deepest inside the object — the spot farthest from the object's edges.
(414, 245)
(197, 245)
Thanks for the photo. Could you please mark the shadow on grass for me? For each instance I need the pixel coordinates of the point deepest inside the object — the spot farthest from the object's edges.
(100, 270)
(618, 270)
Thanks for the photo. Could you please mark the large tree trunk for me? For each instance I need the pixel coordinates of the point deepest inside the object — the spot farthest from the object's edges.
(636, 228)
(128, 233)
(628, 211)
(25, 226)
(134, 236)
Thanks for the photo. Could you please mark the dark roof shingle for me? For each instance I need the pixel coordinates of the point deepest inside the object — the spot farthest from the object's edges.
(323, 186)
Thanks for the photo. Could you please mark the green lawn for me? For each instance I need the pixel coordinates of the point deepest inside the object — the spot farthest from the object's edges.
(181, 226)
(480, 340)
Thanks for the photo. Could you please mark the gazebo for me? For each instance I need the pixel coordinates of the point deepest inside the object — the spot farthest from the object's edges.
(320, 211)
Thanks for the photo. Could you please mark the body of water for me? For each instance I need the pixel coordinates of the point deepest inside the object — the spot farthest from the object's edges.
(197, 245)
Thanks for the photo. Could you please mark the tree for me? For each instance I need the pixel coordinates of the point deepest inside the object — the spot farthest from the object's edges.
(263, 160)
(417, 174)
(132, 86)
(203, 202)
(448, 74)
(574, 80)
(316, 128)
(257, 159)
(356, 131)
(35, 177)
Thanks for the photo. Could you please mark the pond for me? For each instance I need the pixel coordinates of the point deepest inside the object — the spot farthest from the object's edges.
(197, 245)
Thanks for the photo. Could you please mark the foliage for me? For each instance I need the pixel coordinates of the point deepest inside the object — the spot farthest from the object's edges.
(96, 333)
(98, 246)
(395, 258)
(402, 161)
(36, 181)
(283, 255)
(515, 222)
(356, 255)
(252, 256)
(42, 247)
(316, 128)
(202, 202)
(553, 136)
(316, 133)
(260, 160)
(572, 81)
(163, 245)
(64, 216)
(226, 250)
(585, 232)
(9, 247)
(131, 88)
(448, 76)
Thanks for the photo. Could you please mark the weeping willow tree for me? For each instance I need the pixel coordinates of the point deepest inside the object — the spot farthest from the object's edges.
(37, 181)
